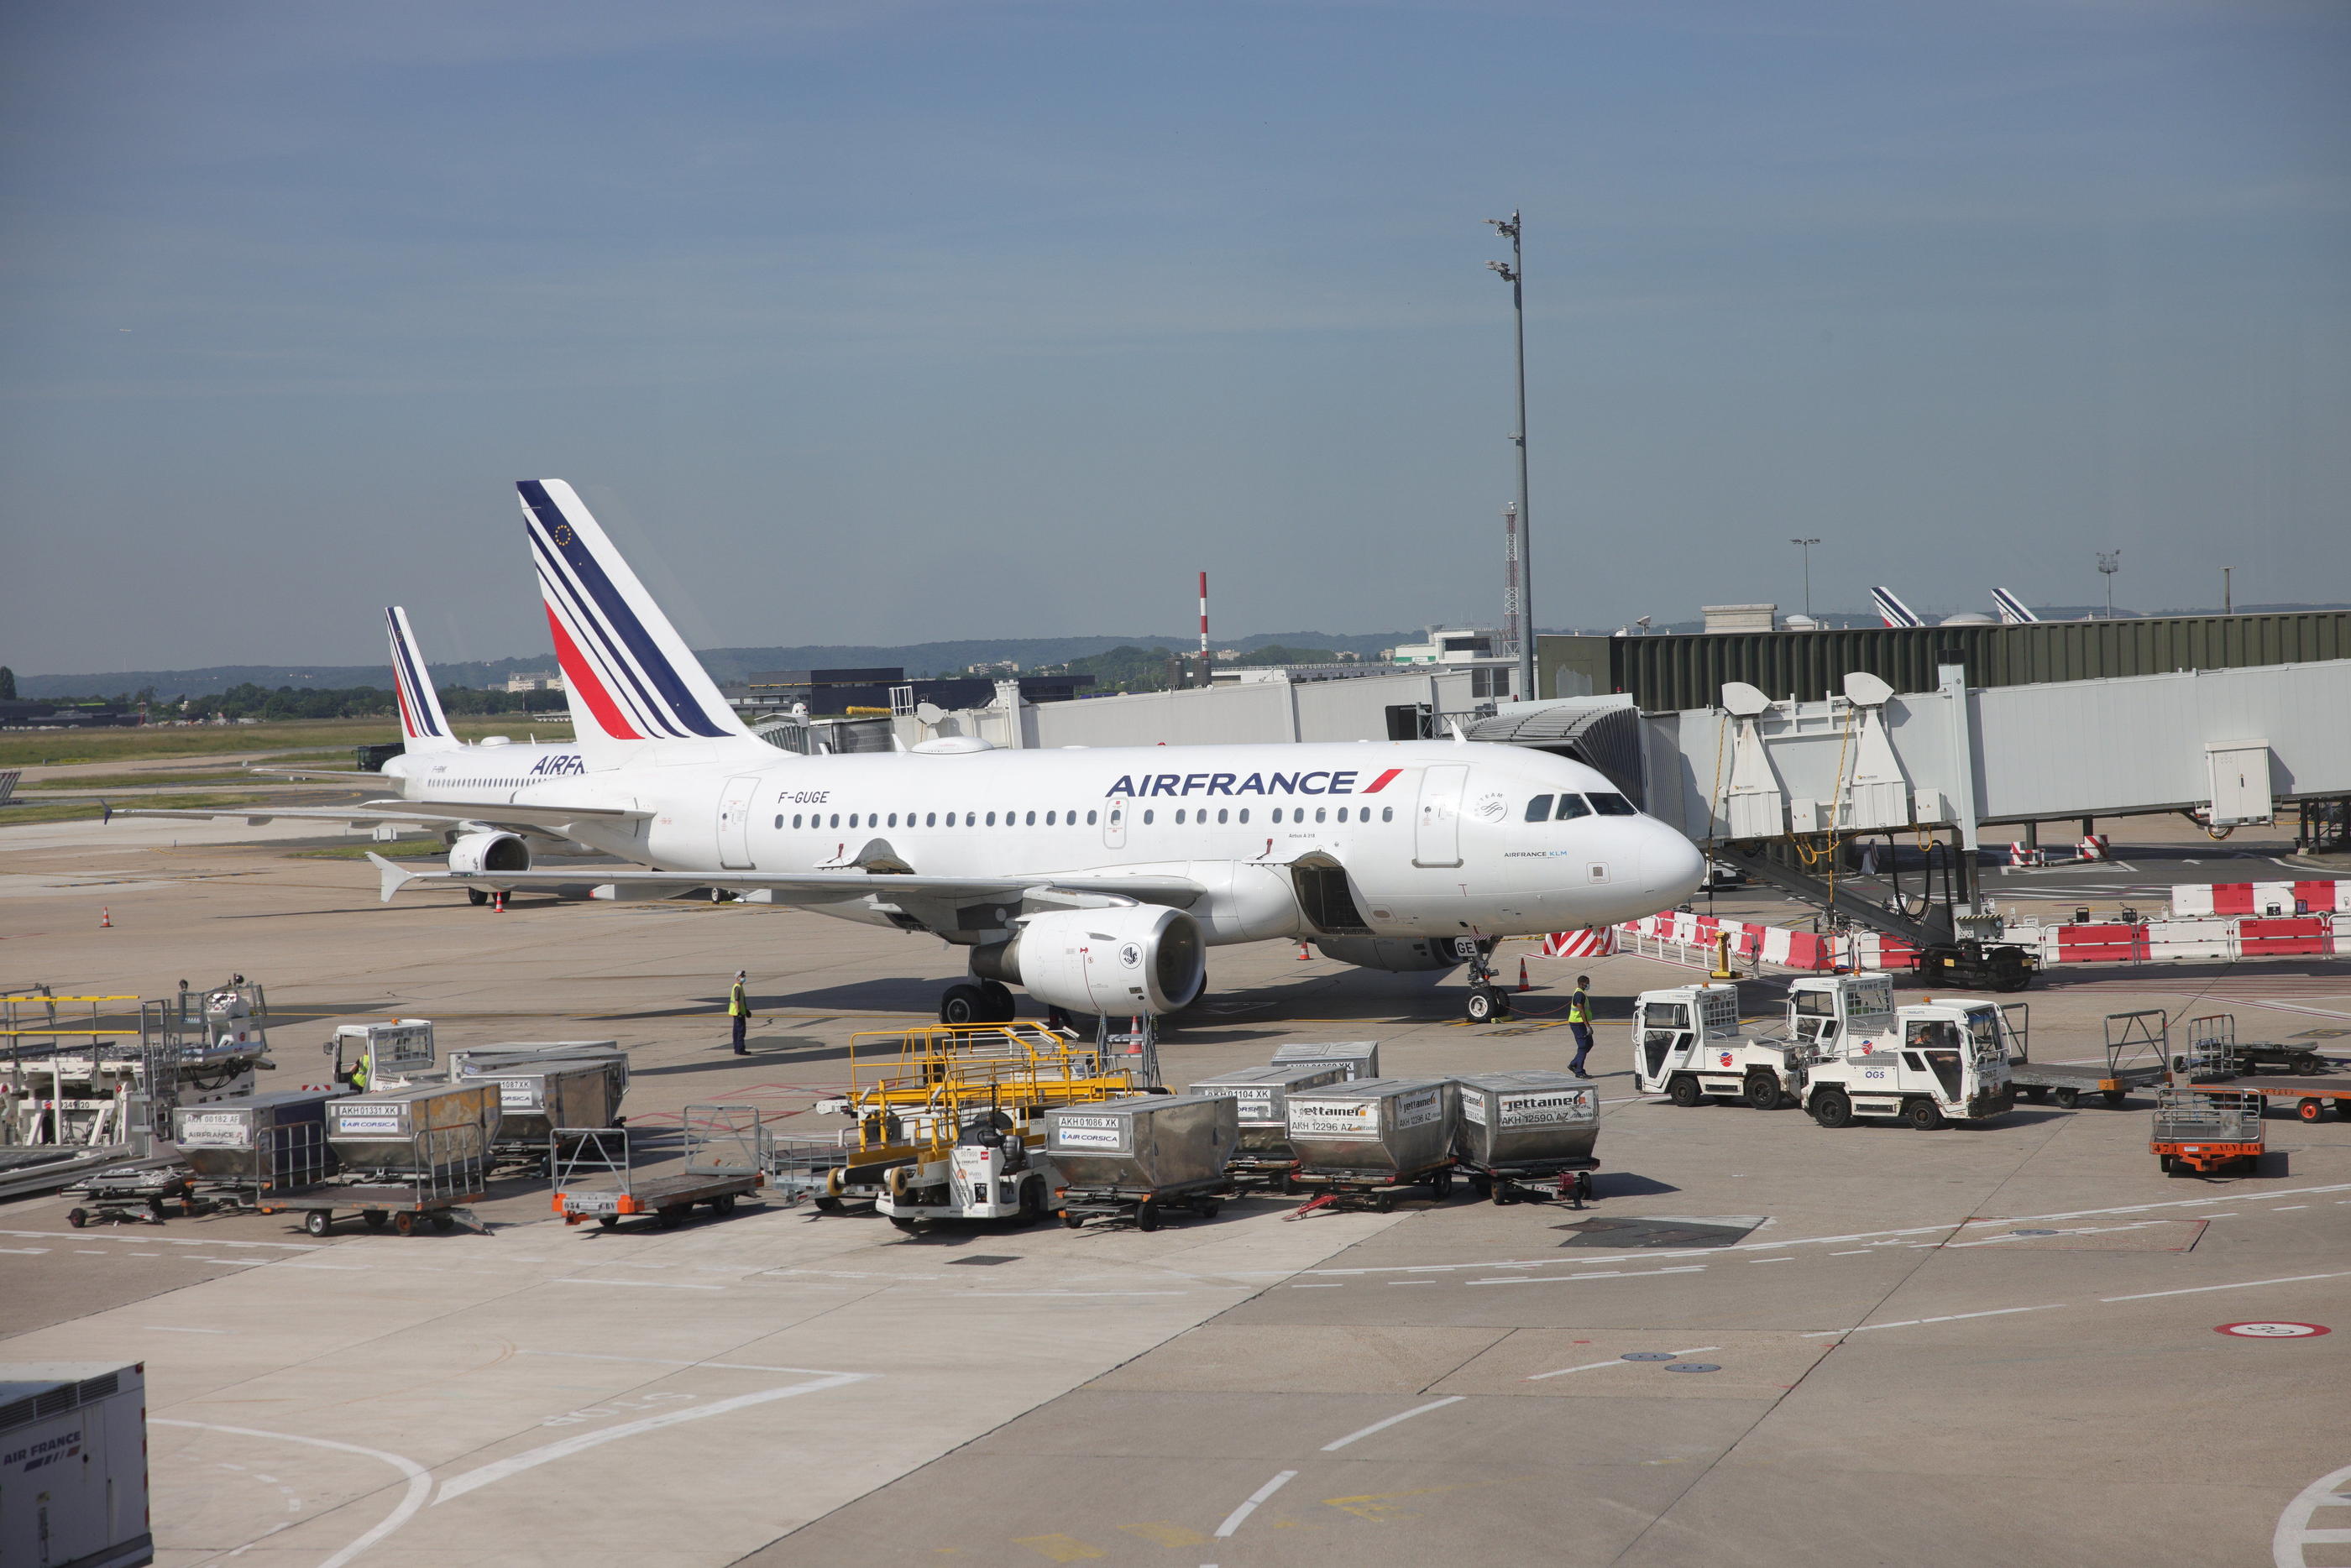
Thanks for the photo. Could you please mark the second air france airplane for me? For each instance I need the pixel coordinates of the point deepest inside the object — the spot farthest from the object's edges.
(1095, 878)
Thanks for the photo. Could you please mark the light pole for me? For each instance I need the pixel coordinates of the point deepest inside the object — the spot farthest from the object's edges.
(1513, 272)
(2109, 563)
(1806, 545)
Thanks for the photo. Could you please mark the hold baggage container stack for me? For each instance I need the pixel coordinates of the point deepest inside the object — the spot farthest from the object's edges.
(1362, 1142)
(1527, 1132)
(1357, 1059)
(390, 1131)
(1142, 1156)
(1260, 1097)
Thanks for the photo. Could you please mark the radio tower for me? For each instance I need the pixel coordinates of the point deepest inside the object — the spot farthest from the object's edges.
(1510, 628)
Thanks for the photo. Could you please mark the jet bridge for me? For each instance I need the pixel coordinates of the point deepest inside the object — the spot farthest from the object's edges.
(2228, 746)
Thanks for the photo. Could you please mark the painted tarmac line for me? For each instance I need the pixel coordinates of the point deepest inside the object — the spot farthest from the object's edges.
(1233, 1520)
(2293, 1535)
(2240, 1285)
(1392, 1420)
(675, 1361)
(1915, 1322)
(420, 1484)
(473, 1481)
(1612, 1361)
(636, 1284)
(1608, 1275)
(174, 1328)
(168, 1240)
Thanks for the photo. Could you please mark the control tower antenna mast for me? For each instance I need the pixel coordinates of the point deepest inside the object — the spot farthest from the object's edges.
(1513, 272)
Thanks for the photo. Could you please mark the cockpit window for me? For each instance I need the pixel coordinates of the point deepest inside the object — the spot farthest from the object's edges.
(1539, 809)
(1572, 806)
(1613, 805)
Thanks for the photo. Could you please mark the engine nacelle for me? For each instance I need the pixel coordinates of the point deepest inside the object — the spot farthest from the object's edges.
(1398, 955)
(489, 852)
(1135, 959)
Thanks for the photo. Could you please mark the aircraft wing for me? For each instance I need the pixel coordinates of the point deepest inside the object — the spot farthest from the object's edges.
(318, 773)
(813, 886)
(423, 813)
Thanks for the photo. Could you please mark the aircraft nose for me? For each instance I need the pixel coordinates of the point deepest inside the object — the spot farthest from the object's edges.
(1671, 868)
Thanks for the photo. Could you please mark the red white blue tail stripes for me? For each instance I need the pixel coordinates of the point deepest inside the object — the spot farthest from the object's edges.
(1891, 609)
(631, 675)
(421, 719)
(2011, 608)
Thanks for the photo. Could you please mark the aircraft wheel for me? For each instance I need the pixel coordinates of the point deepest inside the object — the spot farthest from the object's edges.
(996, 999)
(477, 897)
(962, 1004)
(1485, 1004)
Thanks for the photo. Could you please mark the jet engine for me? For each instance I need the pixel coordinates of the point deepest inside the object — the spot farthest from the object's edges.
(489, 852)
(1134, 959)
(1398, 955)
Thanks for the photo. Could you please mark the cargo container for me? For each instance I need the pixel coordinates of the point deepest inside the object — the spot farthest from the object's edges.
(1527, 1132)
(1371, 1135)
(538, 1096)
(1356, 1058)
(269, 1140)
(73, 1464)
(389, 1131)
(1261, 1098)
(1142, 1156)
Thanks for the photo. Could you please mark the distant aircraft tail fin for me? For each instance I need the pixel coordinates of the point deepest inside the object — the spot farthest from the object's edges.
(1891, 609)
(2011, 608)
(421, 719)
(628, 674)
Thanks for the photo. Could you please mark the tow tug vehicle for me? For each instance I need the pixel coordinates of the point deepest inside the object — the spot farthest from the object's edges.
(1930, 1063)
(1688, 1047)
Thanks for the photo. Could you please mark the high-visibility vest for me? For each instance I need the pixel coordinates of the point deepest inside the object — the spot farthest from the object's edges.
(360, 1076)
(739, 1001)
(1579, 1011)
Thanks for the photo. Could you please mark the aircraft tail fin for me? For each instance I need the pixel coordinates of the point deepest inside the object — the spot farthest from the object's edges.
(421, 719)
(628, 674)
(1891, 609)
(2011, 608)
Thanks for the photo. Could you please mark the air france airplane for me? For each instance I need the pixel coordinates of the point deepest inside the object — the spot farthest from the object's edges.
(434, 767)
(1095, 878)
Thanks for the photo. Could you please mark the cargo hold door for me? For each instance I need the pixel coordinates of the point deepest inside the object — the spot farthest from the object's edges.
(735, 822)
(1436, 832)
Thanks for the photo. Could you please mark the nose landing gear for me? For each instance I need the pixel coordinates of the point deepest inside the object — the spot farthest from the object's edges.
(1488, 1002)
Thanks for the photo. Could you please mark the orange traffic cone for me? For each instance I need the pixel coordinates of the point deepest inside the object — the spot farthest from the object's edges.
(1523, 975)
(498, 903)
(105, 916)
(1303, 956)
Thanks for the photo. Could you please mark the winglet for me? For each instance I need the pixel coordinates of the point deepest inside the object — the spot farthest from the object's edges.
(394, 878)
(1459, 738)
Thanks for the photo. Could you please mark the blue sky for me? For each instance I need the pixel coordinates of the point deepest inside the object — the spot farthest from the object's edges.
(892, 322)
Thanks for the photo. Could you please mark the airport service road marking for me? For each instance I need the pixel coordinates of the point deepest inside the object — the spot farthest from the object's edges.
(420, 1484)
(673, 1361)
(168, 1240)
(2240, 1285)
(28, 1252)
(1392, 1420)
(1612, 1361)
(2273, 1329)
(1771, 1260)
(637, 1284)
(1233, 1520)
(174, 1328)
(1914, 1322)
(1570, 1279)
(2293, 1535)
(473, 1481)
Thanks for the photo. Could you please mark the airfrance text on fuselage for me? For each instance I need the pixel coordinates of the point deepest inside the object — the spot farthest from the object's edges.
(1146, 784)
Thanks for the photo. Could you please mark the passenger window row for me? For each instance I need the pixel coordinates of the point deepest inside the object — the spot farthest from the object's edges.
(1061, 818)
(1572, 806)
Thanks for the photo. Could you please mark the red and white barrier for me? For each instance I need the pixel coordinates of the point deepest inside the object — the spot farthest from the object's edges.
(2259, 898)
(2092, 847)
(1591, 941)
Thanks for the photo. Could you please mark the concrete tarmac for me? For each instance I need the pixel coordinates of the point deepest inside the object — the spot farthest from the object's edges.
(1998, 1344)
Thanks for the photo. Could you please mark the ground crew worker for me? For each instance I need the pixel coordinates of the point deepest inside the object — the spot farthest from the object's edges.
(739, 1008)
(1578, 1019)
(359, 1075)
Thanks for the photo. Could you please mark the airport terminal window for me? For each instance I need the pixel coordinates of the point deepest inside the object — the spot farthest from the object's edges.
(1572, 806)
(1539, 809)
(1613, 805)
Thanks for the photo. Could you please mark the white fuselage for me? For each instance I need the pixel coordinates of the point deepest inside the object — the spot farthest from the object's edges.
(492, 770)
(1432, 837)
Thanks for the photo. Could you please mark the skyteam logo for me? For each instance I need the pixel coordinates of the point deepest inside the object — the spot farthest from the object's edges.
(1319, 782)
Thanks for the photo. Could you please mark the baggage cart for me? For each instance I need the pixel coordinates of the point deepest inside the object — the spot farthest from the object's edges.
(446, 1174)
(2305, 1098)
(2135, 1060)
(1359, 1144)
(2199, 1130)
(1527, 1134)
(536, 1097)
(808, 1165)
(386, 1130)
(272, 1141)
(131, 1194)
(1141, 1158)
(1355, 1058)
(2217, 1032)
(595, 1178)
(1260, 1095)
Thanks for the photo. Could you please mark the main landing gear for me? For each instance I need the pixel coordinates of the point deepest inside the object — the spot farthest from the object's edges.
(988, 1002)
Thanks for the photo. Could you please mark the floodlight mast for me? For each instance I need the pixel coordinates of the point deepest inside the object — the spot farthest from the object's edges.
(1513, 272)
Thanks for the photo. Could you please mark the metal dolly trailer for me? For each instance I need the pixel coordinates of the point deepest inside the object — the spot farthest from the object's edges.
(2218, 1031)
(2199, 1130)
(2136, 1059)
(132, 1195)
(2310, 1096)
(723, 1163)
(1261, 1171)
(800, 1167)
(1373, 1189)
(1146, 1206)
(439, 1189)
(1533, 1180)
